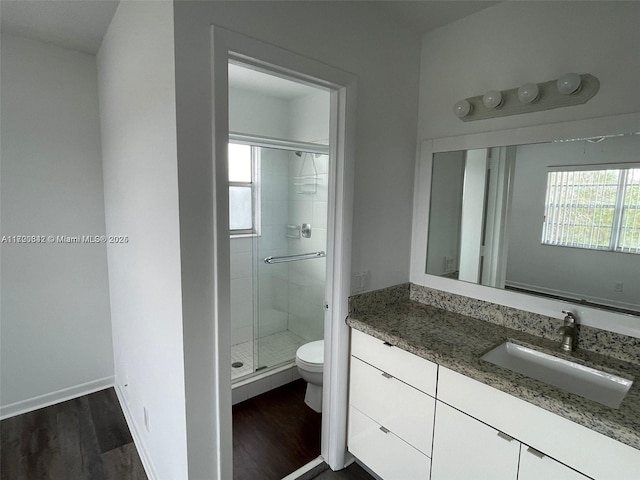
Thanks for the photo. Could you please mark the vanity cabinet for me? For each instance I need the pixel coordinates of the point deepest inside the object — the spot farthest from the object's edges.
(569, 447)
(463, 447)
(467, 448)
(391, 409)
(401, 429)
(535, 466)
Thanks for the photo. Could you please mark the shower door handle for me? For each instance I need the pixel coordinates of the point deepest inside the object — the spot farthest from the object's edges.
(294, 258)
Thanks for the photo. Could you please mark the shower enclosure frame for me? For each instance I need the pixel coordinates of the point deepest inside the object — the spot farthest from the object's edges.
(263, 142)
(226, 46)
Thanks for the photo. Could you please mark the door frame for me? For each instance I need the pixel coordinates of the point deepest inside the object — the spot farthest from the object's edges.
(228, 45)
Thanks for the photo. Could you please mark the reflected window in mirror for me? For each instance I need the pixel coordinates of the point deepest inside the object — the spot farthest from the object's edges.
(596, 209)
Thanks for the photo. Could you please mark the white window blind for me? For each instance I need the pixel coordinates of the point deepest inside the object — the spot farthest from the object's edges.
(596, 209)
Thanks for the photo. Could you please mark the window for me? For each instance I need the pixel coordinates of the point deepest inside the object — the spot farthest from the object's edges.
(596, 209)
(243, 198)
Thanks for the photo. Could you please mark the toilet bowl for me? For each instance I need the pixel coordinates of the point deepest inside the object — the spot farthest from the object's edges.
(310, 363)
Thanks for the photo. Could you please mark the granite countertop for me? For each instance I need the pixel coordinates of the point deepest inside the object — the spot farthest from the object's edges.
(458, 341)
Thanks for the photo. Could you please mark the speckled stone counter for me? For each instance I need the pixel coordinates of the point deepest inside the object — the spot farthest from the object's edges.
(457, 342)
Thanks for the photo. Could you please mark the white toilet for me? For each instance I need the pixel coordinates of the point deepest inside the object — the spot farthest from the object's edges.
(310, 362)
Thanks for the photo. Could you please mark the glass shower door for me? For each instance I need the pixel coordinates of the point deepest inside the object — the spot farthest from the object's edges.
(280, 292)
(291, 271)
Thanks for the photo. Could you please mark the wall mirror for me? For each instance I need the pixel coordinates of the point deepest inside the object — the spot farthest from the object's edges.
(558, 219)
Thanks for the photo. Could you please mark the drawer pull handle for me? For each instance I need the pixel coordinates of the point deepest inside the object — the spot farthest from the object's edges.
(384, 430)
(535, 452)
(504, 436)
(387, 344)
(386, 375)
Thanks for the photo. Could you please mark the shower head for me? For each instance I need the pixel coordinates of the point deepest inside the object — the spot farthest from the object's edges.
(299, 154)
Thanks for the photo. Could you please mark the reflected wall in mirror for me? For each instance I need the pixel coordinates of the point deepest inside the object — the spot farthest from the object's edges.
(558, 219)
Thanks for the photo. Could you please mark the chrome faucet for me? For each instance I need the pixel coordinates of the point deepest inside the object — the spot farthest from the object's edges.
(569, 331)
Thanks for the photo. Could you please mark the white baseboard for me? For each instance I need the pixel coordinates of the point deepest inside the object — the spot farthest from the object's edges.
(135, 433)
(263, 382)
(48, 399)
(304, 469)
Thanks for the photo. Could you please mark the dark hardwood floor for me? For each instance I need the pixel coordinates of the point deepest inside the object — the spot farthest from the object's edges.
(323, 472)
(352, 472)
(274, 434)
(86, 438)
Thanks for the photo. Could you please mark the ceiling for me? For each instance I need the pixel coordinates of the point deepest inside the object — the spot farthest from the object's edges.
(427, 15)
(81, 25)
(73, 24)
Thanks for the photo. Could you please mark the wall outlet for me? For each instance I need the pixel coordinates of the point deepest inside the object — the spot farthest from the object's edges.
(146, 419)
(449, 264)
(360, 281)
(618, 286)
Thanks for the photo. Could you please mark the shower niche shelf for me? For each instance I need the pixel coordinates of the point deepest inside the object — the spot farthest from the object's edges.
(293, 231)
(306, 182)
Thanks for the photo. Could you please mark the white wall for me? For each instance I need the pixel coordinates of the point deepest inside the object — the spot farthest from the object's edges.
(309, 118)
(56, 330)
(516, 42)
(355, 37)
(513, 43)
(138, 120)
(302, 119)
(348, 35)
(253, 113)
(573, 272)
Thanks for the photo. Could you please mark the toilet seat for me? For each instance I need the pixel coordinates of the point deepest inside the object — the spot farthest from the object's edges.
(310, 367)
(310, 356)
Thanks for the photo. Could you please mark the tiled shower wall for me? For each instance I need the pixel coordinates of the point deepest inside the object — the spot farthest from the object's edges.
(241, 290)
(273, 294)
(307, 277)
(290, 295)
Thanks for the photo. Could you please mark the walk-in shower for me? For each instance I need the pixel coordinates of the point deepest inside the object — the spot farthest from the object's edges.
(278, 218)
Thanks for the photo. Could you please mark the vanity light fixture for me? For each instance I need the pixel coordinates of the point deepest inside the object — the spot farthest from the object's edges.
(570, 89)
(528, 93)
(462, 108)
(569, 83)
(492, 99)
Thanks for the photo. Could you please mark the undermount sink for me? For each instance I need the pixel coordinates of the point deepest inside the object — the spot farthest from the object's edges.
(596, 385)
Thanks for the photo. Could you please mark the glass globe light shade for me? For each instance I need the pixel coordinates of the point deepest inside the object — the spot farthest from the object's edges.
(528, 93)
(492, 99)
(569, 83)
(462, 108)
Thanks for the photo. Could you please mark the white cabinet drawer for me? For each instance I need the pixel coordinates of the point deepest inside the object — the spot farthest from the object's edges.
(534, 466)
(387, 455)
(407, 412)
(399, 363)
(466, 449)
(558, 437)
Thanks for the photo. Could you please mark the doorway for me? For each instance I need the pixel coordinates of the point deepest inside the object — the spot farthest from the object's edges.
(230, 46)
(279, 168)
